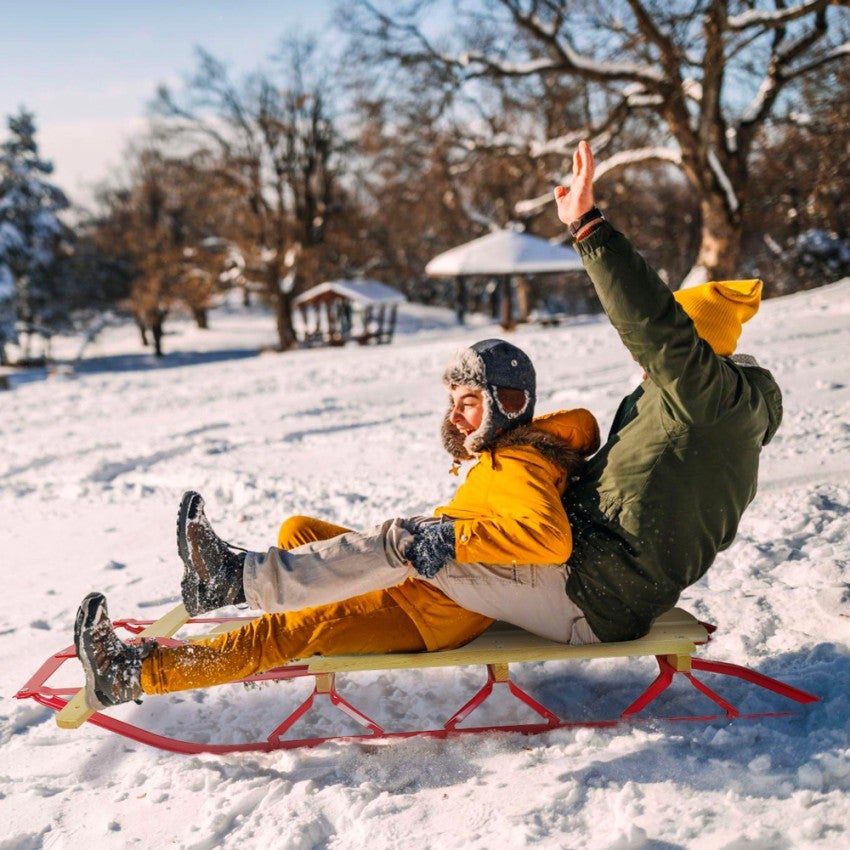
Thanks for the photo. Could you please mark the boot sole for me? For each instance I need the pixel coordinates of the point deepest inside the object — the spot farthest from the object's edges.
(86, 615)
(188, 510)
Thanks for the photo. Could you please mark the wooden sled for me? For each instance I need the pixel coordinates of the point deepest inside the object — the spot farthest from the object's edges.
(673, 639)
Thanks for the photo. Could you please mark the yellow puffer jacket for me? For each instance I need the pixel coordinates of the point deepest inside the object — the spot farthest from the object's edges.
(509, 508)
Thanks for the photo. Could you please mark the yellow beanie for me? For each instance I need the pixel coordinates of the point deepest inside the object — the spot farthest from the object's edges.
(718, 310)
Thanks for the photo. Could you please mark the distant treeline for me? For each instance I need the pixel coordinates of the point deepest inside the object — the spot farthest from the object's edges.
(720, 132)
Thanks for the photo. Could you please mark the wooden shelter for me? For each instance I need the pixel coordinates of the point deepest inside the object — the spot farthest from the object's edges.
(502, 255)
(339, 311)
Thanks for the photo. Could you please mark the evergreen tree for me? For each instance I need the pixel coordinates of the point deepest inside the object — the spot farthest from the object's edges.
(33, 240)
(7, 308)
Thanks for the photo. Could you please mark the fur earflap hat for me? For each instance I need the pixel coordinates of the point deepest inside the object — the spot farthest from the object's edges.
(719, 309)
(505, 375)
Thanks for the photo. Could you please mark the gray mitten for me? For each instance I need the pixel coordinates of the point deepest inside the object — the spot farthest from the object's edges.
(432, 545)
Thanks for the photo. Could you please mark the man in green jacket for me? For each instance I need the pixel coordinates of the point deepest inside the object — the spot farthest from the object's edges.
(666, 492)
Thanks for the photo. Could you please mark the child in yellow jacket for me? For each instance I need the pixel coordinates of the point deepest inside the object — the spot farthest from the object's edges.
(496, 550)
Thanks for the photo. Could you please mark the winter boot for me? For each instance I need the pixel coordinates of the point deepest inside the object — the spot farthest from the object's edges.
(212, 570)
(113, 668)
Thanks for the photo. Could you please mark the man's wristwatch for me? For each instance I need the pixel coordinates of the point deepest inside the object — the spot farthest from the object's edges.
(592, 214)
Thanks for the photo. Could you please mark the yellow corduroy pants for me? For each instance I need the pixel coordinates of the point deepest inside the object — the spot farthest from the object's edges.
(411, 618)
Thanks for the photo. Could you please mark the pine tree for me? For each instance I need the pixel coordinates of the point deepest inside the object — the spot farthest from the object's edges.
(33, 239)
(7, 309)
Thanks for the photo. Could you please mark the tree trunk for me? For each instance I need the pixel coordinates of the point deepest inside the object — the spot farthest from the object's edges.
(156, 321)
(283, 315)
(157, 333)
(720, 244)
(281, 302)
(460, 300)
(506, 319)
(200, 316)
(523, 296)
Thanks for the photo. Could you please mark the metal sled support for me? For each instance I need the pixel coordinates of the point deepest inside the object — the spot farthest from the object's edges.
(672, 640)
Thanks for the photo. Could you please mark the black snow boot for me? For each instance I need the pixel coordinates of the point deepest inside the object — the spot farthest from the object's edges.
(212, 570)
(113, 668)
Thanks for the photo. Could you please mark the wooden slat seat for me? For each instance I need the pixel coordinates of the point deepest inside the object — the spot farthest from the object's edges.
(675, 633)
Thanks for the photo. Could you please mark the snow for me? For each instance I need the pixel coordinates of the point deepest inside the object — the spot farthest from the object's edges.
(504, 252)
(362, 292)
(724, 181)
(760, 17)
(823, 245)
(607, 70)
(93, 466)
(7, 283)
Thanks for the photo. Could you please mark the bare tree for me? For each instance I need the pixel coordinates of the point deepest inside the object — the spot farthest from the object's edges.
(696, 80)
(425, 188)
(799, 221)
(276, 145)
(153, 240)
(157, 230)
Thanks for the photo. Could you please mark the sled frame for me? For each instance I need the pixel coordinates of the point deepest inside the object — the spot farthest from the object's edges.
(672, 641)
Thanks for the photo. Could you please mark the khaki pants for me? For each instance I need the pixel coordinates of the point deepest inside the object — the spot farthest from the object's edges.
(531, 596)
(412, 617)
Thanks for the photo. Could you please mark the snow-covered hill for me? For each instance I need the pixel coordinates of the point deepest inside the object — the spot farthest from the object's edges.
(91, 470)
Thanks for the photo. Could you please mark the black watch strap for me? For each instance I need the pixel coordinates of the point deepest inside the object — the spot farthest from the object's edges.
(591, 215)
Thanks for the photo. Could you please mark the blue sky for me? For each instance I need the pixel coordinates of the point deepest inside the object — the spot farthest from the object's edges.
(88, 68)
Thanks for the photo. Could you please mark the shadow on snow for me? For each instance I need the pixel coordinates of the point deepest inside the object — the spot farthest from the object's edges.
(141, 362)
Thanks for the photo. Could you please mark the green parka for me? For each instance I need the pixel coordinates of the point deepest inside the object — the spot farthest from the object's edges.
(667, 490)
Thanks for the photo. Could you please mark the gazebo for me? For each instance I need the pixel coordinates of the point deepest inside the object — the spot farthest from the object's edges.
(501, 255)
(339, 311)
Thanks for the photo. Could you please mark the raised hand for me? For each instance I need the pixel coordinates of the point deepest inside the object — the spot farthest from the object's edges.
(574, 202)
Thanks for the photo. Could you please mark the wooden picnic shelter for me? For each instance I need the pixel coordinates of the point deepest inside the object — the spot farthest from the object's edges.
(339, 311)
(502, 255)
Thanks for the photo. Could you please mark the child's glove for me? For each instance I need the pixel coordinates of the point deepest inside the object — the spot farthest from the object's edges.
(432, 545)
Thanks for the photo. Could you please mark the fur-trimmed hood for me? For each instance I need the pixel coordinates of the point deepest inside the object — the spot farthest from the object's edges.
(508, 509)
(565, 438)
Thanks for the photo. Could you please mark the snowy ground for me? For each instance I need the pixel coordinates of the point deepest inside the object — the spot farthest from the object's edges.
(92, 468)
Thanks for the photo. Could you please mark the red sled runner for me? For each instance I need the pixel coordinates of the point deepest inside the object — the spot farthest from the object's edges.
(673, 639)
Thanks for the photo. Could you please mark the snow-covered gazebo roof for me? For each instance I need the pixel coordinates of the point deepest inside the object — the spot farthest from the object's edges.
(504, 252)
(361, 292)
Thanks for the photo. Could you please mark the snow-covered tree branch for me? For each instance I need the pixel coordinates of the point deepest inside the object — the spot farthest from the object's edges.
(699, 79)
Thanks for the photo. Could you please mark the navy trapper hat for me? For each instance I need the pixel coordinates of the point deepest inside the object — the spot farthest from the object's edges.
(493, 366)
